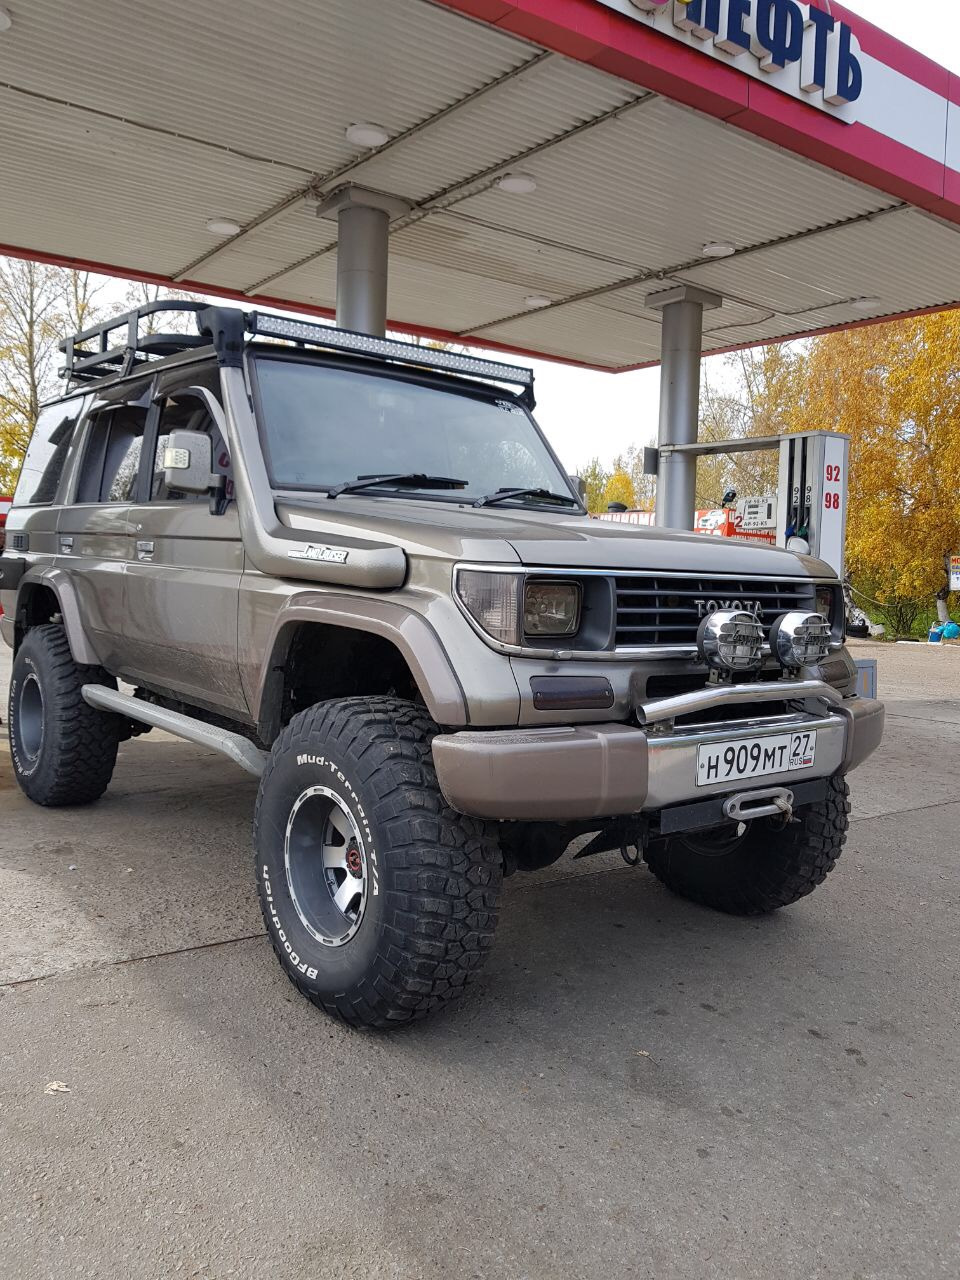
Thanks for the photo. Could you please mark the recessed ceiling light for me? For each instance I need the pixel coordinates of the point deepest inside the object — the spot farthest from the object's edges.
(517, 184)
(867, 304)
(223, 226)
(534, 300)
(6, 22)
(719, 249)
(363, 134)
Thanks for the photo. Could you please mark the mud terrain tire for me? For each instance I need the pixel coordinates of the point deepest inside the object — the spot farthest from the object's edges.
(350, 789)
(770, 867)
(63, 750)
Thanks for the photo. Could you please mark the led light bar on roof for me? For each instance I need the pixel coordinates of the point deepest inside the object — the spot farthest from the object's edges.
(388, 348)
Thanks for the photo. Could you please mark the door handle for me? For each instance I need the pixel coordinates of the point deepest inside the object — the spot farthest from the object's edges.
(144, 550)
(66, 544)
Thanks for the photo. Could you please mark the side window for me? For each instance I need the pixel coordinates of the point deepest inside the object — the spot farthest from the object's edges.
(188, 414)
(111, 459)
(46, 455)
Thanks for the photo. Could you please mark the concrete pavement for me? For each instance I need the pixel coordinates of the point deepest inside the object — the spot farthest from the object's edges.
(636, 1087)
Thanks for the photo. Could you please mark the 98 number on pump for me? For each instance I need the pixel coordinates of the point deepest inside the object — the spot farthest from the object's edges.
(829, 527)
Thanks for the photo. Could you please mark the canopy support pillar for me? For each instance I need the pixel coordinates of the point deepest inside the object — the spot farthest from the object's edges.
(682, 309)
(363, 249)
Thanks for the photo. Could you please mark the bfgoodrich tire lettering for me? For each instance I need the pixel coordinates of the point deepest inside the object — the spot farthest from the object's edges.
(773, 865)
(431, 878)
(63, 750)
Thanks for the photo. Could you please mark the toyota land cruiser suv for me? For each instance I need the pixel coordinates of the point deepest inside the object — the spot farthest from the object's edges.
(356, 567)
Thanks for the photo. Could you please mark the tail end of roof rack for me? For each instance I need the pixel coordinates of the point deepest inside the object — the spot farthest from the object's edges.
(117, 346)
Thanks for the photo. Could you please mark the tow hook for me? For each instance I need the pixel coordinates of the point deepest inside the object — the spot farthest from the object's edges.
(631, 859)
(775, 802)
(625, 834)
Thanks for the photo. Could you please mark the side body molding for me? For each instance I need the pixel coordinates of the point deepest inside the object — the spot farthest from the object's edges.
(275, 549)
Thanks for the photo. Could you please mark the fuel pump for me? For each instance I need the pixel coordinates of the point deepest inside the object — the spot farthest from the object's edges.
(812, 491)
(812, 497)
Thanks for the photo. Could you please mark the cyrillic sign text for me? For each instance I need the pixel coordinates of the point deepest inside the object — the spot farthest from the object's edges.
(796, 47)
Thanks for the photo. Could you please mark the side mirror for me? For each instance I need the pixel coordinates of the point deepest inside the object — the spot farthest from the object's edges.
(580, 485)
(188, 463)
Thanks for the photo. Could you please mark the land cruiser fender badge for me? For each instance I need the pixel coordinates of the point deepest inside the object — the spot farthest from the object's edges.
(326, 555)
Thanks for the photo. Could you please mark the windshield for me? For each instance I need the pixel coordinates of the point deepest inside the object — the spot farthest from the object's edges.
(325, 426)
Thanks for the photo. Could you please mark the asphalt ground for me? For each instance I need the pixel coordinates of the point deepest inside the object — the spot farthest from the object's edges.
(636, 1087)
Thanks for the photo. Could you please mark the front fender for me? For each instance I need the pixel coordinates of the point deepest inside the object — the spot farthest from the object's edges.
(410, 633)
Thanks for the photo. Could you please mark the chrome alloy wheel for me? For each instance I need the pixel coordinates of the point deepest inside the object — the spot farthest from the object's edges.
(30, 717)
(326, 866)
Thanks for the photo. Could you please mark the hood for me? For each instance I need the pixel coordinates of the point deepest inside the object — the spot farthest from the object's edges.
(539, 539)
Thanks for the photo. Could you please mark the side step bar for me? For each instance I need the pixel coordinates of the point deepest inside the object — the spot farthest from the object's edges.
(238, 748)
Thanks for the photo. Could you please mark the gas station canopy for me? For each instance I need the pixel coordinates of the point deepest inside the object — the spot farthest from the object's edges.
(550, 164)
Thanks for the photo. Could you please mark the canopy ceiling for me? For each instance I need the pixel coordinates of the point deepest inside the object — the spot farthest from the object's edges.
(126, 128)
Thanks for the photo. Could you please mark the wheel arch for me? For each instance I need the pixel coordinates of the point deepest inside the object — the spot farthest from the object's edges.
(43, 593)
(392, 634)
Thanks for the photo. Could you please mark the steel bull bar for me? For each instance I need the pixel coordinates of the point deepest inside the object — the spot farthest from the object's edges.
(579, 772)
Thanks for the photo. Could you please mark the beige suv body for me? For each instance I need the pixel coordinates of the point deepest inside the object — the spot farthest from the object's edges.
(243, 606)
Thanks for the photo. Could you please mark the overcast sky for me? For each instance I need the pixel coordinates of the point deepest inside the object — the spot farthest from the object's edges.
(587, 414)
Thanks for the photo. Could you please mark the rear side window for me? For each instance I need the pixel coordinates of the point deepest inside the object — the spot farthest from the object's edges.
(111, 459)
(46, 455)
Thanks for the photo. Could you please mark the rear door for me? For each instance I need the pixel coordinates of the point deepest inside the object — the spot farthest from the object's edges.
(93, 540)
(183, 577)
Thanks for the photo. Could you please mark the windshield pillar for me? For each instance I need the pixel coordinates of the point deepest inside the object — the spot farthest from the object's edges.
(363, 240)
(681, 340)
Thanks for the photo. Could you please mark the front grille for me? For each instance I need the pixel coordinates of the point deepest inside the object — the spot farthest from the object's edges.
(664, 610)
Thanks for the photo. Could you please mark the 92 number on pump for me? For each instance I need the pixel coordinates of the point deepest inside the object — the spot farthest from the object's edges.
(755, 757)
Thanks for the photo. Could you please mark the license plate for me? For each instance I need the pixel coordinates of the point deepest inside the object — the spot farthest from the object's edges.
(755, 757)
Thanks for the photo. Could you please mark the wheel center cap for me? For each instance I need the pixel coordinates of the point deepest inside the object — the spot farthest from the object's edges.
(354, 862)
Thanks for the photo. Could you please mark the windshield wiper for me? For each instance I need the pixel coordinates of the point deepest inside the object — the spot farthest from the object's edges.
(503, 495)
(405, 480)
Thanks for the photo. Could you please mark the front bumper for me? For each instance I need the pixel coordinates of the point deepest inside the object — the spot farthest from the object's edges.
(580, 772)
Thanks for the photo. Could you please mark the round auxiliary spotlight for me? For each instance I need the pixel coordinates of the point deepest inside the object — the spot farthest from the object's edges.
(800, 639)
(730, 641)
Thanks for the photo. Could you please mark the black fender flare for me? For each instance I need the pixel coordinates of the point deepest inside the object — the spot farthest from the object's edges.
(58, 581)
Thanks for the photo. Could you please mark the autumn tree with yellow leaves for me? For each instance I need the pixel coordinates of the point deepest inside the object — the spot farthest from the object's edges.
(30, 305)
(39, 306)
(619, 490)
(895, 389)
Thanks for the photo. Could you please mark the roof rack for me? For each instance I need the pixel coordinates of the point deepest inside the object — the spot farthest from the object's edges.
(97, 352)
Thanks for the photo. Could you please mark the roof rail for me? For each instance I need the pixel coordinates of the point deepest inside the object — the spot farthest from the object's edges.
(98, 352)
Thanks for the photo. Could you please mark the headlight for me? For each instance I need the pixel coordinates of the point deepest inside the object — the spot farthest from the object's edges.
(551, 608)
(493, 601)
(510, 608)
